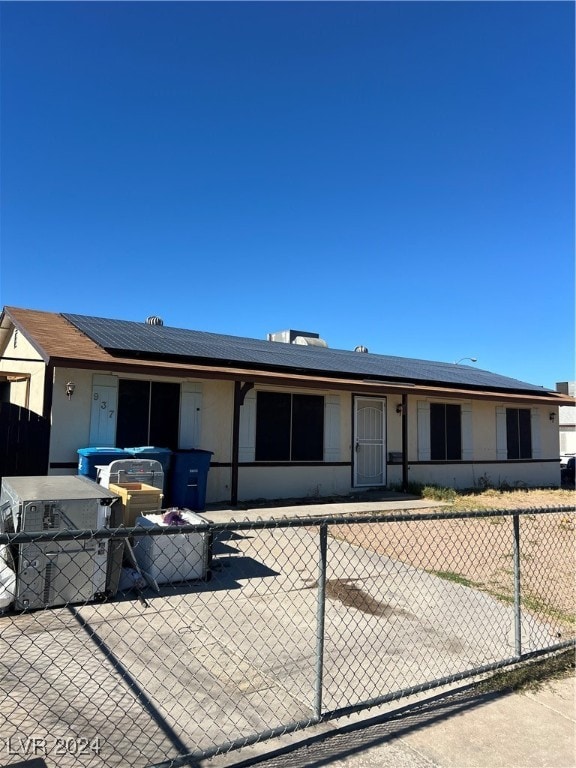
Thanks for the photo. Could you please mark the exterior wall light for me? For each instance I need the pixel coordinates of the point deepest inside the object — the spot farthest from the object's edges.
(552, 416)
(70, 387)
(399, 408)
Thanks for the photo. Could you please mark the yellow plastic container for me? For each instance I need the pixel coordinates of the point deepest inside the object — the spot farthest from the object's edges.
(135, 500)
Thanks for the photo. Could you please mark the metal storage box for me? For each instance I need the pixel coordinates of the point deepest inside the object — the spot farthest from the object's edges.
(131, 470)
(163, 455)
(173, 557)
(57, 572)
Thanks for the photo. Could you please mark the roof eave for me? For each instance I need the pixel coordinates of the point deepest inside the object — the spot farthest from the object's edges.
(7, 327)
(277, 378)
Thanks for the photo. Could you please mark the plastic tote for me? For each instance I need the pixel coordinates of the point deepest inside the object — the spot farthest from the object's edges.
(90, 458)
(189, 478)
(163, 455)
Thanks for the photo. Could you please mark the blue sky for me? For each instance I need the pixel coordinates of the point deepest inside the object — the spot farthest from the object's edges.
(393, 174)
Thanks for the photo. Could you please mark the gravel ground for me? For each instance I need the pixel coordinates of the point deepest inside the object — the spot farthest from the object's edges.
(480, 552)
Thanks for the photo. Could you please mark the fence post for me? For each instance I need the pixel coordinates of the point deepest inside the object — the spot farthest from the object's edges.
(517, 595)
(320, 611)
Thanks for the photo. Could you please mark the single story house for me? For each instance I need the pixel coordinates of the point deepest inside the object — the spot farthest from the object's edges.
(284, 417)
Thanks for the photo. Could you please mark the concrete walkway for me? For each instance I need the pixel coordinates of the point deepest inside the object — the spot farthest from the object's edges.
(203, 664)
(364, 504)
(467, 729)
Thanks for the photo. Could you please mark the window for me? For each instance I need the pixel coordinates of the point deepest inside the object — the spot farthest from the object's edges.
(518, 433)
(445, 432)
(148, 413)
(289, 427)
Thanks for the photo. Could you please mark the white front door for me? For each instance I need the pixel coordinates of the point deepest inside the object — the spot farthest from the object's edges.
(369, 441)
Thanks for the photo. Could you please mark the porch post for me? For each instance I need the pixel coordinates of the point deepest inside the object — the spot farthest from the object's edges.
(240, 391)
(405, 443)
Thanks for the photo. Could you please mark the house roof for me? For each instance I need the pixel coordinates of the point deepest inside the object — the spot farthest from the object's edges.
(87, 341)
(126, 338)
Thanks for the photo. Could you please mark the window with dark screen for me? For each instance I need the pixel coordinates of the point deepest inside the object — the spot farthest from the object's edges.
(148, 414)
(445, 432)
(289, 427)
(518, 433)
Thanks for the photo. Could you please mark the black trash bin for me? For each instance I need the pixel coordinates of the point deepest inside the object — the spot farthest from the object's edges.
(189, 477)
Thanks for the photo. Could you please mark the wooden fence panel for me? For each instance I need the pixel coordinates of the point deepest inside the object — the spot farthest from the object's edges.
(24, 441)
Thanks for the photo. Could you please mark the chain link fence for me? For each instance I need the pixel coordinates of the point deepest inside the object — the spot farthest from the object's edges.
(162, 646)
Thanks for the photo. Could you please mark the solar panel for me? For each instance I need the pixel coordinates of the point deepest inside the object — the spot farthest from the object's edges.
(130, 338)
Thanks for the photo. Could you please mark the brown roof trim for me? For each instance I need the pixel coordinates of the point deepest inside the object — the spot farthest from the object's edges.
(119, 365)
(16, 322)
(61, 344)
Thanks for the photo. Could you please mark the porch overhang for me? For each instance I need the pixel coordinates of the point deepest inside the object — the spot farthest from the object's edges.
(306, 380)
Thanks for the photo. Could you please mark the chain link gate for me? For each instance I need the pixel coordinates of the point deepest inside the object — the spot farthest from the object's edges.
(296, 621)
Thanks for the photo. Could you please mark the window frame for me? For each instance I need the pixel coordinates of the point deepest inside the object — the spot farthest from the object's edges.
(302, 421)
(446, 443)
(153, 414)
(520, 443)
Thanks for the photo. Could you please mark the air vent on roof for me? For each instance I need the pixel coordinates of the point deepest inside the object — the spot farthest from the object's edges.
(360, 348)
(297, 337)
(310, 341)
(154, 320)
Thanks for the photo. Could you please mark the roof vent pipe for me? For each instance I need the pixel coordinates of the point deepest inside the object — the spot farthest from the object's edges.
(360, 348)
(154, 320)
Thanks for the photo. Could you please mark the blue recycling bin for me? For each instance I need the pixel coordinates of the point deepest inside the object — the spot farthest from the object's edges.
(189, 477)
(90, 458)
(163, 455)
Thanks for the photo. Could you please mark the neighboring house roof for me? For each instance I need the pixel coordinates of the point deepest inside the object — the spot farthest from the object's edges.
(87, 341)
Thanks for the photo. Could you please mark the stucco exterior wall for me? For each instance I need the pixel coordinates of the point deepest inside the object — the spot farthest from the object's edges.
(29, 393)
(273, 482)
(216, 436)
(496, 474)
(567, 430)
(217, 414)
(485, 467)
(71, 430)
(296, 482)
(70, 417)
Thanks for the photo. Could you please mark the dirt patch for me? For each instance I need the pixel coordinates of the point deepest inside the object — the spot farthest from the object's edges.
(349, 594)
(480, 552)
(521, 498)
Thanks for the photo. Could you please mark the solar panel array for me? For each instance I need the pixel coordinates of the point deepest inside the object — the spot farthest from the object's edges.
(130, 338)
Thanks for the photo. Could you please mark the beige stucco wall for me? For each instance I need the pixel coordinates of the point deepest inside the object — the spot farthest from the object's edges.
(19, 347)
(534, 474)
(70, 417)
(72, 431)
(217, 414)
(297, 482)
(484, 467)
(567, 417)
(256, 482)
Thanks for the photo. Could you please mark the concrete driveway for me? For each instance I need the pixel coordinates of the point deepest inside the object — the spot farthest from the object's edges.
(128, 684)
